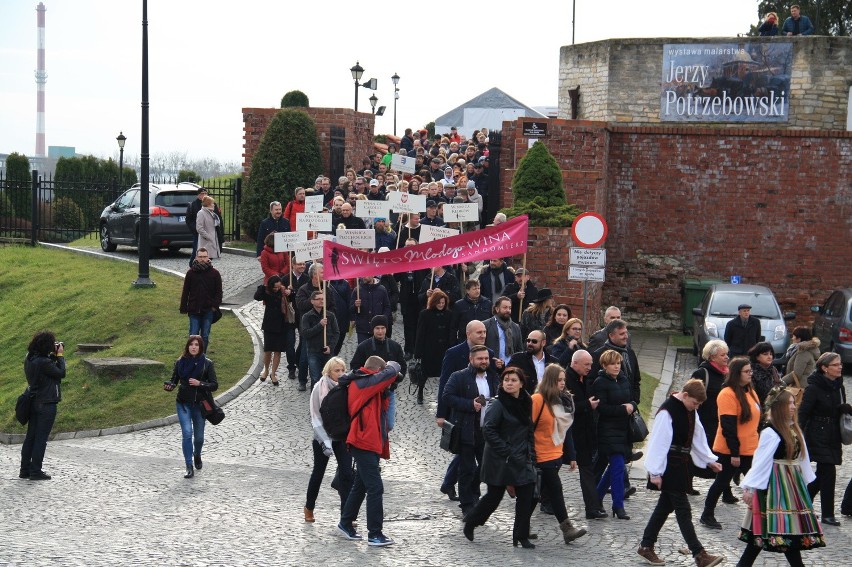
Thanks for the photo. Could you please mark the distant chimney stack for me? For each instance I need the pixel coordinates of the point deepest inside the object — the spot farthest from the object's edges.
(41, 80)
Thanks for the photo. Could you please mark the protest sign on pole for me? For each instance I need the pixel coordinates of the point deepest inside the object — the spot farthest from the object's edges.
(314, 221)
(364, 239)
(406, 202)
(372, 209)
(313, 204)
(428, 233)
(284, 240)
(309, 250)
(403, 164)
(461, 212)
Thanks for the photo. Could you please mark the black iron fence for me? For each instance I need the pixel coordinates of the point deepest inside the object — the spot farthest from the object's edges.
(48, 210)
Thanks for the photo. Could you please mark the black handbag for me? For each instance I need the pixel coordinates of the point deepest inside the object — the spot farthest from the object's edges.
(638, 429)
(23, 406)
(450, 437)
(210, 410)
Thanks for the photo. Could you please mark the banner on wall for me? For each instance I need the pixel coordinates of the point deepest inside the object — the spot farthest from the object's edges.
(726, 82)
(505, 239)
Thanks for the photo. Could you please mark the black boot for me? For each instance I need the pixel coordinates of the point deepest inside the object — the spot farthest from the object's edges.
(420, 395)
(198, 463)
(189, 472)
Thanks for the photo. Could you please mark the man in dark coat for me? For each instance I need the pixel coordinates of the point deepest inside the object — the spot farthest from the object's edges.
(379, 345)
(617, 340)
(598, 338)
(201, 296)
(521, 291)
(502, 335)
(275, 222)
(443, 280)
(304, 305)
(533, 361)
(494, 279)
(409, 302)
(583, 430)
(465, 395)
(374, 300)
(742, 332)
(471, 307)
(318, 344)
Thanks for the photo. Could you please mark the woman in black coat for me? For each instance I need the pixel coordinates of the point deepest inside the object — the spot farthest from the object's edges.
(508, 458)
(44, 368)
(274, 326)
(568, 342)
(433, 337)
(615, 394)
(712, 372)
(819, 417)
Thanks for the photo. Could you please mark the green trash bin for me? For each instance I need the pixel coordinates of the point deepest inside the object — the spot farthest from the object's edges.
(693, 293)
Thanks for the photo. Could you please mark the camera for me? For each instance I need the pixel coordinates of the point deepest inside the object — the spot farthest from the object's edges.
(59, 344)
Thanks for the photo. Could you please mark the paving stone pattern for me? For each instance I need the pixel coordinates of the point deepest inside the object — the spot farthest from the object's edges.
(122, 499)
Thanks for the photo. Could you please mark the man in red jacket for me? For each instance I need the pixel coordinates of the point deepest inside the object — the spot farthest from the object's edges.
(367, 441)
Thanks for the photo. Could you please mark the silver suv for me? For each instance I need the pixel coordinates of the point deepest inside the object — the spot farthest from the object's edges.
(720, 306)
(167, 226)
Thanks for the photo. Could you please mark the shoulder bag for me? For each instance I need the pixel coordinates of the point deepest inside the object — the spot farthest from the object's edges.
(210, 410)
(638, 429)
(23, 406)
(287, 310)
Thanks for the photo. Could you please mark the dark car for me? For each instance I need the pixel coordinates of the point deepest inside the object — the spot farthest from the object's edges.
(166, 226)
(833, 324)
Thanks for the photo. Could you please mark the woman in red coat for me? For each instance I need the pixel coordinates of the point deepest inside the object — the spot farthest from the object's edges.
(271, 262)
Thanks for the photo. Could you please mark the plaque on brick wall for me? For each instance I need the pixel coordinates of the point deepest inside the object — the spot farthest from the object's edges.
(535, 129)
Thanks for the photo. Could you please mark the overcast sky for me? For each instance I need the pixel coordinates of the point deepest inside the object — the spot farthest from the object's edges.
(210, 58)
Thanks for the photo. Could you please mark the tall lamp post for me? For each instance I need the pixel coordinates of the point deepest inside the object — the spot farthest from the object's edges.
(144, 202)
(357, 72)
(395, 80)
(373, 100)
(121, 139)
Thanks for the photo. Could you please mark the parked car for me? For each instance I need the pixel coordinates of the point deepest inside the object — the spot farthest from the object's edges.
(720, 306)
(833, 324)
(166, 226)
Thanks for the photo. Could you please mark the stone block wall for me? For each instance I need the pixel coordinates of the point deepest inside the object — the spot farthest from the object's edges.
(358, 133)
(773, 206)
(619, 80)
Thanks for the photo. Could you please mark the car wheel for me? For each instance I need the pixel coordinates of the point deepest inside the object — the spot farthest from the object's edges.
(107, 245)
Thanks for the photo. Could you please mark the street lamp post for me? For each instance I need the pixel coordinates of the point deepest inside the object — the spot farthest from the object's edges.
(357, 72)
(395, 80)
(121, 139)
(143, 280)
(373, 100)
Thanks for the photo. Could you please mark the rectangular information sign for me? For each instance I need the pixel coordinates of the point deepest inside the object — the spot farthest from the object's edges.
(583, 273)
(590, 257)
(402, 163)
(461, 212)
(428, 233)
(284, 241)
(363, 239)
(314, 221)
(406, 202)
(313, 204)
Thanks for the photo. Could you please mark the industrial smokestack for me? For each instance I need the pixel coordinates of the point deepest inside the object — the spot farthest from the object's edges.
(41, 79)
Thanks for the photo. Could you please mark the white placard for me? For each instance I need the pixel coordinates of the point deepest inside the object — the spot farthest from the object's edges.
(313, 204)
(428, 233)
(403, 163)
(284, 240)
(461, 212)
(589, 257)
(583, 273)
(363, 239)
(406, 202)
(314, 221)
(372, 209)
(308, 250)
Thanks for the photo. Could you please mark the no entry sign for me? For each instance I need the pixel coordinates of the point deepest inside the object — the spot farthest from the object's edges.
(589, 230)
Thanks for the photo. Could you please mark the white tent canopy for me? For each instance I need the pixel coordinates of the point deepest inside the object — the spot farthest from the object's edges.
(487, 110)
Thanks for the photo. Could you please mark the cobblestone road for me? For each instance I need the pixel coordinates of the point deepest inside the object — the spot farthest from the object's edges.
(121, 499)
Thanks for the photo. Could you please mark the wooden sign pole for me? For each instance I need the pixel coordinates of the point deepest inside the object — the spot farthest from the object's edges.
(523, 284)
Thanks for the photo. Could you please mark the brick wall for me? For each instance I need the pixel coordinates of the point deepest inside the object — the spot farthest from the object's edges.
(773, 206)
(619, 79)
(358, 133)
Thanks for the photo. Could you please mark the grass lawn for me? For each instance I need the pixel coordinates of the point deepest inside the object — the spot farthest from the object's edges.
(682, 341)
(91, 300)
(649, 386)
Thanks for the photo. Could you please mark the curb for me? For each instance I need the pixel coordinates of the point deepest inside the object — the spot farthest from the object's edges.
(637, 470)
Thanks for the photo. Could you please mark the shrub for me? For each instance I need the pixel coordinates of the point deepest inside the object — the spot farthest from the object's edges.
(288, 157)
(7, 210)
(294, 99)
(19, 184)
(537, 187)
(67, 214)
(187, 175)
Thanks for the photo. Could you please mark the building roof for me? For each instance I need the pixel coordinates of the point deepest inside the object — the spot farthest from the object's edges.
(492, 98)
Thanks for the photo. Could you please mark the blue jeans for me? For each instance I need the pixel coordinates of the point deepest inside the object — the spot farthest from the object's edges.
(199, 324)
(41, 421)
(316, 361)
(613, 477)
(368, 481)
(191, 428)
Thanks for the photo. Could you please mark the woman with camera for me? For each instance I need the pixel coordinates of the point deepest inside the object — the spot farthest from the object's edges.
(195, 377)
(44, 367)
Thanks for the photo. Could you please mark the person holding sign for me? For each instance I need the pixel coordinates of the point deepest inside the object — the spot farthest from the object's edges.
(373, 300)
(348, 220)
(385, 236)
(294, 207)
(271, 262)
(443, 280)
(412, 227)
(409, 304)
(319, 330)
(432, 218)
(273, 223)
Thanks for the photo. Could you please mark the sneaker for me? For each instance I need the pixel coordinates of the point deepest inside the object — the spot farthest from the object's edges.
(710, 522)
(649, 556)
(348, 532)
(379, 540)
(704, 559)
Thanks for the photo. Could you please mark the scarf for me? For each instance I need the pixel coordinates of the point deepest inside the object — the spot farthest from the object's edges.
(719, 368)
(520, 407)
(507, 329)
(188, 366)
(199, 266)
(562, 420)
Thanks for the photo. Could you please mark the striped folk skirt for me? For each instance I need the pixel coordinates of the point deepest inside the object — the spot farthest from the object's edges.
(782, 516)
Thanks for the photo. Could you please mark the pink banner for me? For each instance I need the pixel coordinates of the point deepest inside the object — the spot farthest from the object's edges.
(505, 239)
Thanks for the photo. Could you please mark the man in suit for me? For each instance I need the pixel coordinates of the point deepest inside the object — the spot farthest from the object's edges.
(466, 395)
(502, 335)
(533, 361)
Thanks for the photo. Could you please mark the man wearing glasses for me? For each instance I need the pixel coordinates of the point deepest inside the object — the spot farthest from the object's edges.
(533, 361)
